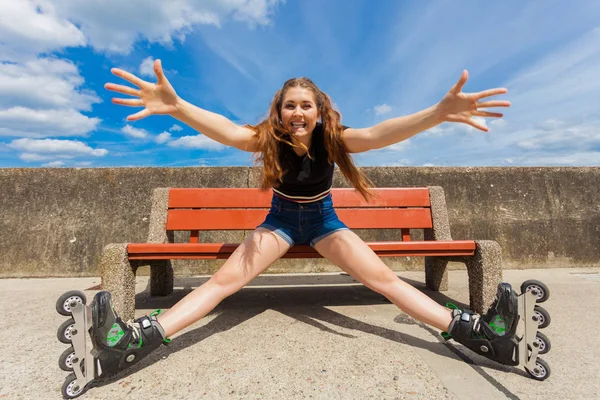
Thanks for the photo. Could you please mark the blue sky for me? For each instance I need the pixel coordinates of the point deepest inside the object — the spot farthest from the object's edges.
(376, 59)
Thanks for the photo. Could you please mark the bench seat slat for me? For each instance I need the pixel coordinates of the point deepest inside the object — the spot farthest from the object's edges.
(255, 198)
(155, 251)
(358, 218)
(224, 256)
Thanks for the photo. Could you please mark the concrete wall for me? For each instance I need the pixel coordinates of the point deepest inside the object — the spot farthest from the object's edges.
(56, 221)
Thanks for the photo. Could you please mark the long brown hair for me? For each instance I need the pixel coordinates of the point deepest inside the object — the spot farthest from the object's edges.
(270, 132)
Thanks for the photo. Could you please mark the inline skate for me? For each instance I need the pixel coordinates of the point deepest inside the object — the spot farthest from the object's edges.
(508, 332)
(101, 344)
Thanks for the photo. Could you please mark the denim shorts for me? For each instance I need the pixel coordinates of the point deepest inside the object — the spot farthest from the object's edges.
(302, 223)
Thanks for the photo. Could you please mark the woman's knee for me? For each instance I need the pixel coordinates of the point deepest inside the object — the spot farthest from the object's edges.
(251, 259)
(226, 281)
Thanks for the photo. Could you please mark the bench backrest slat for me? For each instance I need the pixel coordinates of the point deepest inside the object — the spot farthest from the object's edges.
(236, 209)
(255, 198)
(357, 218)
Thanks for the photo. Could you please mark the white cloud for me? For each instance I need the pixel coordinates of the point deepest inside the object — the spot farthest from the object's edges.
(55, 147)
(54, 164)
(254, 11)
(197, 142)
(115, 25)
(550, 124)
(382, 109)
(25, 122)
(458, 128)
(175, 128)
(147, 67)
(53, 151)
(497, 123)
(397, 163)
(472, 129)
(400, 146)
(44, 83)
(578, 158)
(29, 27)
(33, 157)
(582, 137)
(43, 97)
(134, 132)
(163, 137)
(437, 131)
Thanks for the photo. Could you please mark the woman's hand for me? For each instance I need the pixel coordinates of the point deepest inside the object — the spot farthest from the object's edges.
(457, 106)
(157, 98)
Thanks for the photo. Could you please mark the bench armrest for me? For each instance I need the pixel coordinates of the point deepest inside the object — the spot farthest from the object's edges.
(439, 215)
(157, 232)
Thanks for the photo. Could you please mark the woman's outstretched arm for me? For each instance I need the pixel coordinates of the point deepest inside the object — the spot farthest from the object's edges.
(456, 106)
(161, 99)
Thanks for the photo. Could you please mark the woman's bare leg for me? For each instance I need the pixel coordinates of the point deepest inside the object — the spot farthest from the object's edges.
(349, 252)
(260, 249)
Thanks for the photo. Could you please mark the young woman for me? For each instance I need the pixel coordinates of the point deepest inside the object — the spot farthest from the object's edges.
(297, 145)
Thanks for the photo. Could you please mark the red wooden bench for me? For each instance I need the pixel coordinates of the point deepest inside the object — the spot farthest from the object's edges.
(195, 210)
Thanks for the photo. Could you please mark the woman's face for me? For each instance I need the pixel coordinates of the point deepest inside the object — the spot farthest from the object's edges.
(299, 111)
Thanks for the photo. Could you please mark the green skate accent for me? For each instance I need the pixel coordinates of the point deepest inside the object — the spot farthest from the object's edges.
(451, 306)
(155, 312)
(114, 335)
(498, 325)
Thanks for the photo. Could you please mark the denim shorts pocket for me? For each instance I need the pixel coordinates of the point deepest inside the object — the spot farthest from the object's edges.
(327, 209)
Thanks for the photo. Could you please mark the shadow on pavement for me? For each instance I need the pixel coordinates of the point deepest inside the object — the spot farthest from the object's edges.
(307, 304)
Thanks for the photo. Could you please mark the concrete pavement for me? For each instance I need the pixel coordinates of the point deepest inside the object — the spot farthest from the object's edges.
(308, 336)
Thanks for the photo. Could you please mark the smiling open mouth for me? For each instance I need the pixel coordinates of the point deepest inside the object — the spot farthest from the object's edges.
(298, 125)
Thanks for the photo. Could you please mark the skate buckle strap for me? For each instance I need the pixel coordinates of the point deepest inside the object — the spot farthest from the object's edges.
(145, 322)
(454, 308)
(152, 317)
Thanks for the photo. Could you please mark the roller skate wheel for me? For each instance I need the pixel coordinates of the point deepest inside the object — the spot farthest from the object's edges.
(67, 301)
(541, 371)
(541, 291)
(541, 316)
(542, 343)
(66, 330)
(70, 389)
(67, 359)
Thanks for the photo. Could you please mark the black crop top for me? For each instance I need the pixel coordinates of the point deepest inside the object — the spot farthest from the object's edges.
(306, 180)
